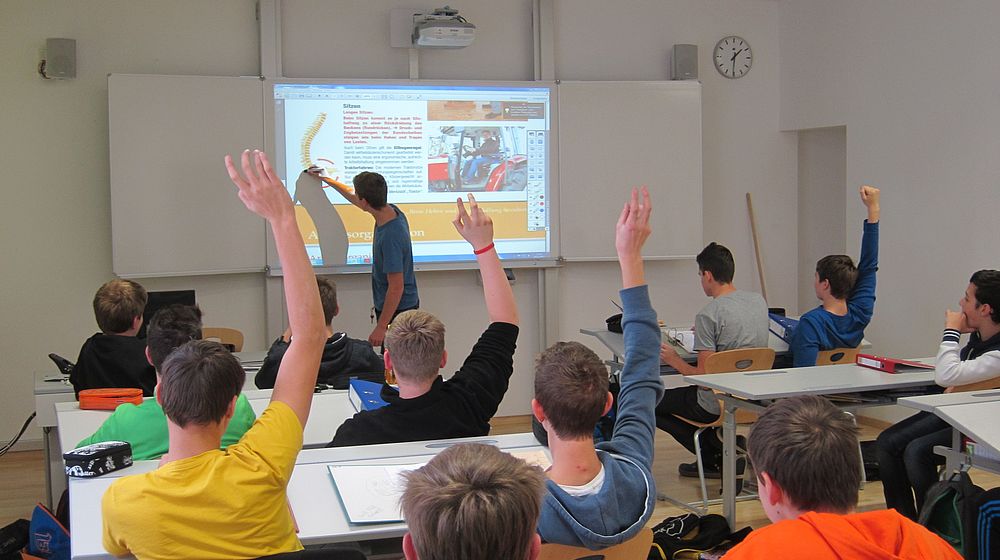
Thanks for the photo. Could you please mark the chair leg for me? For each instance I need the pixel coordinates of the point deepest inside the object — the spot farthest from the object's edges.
(701, 469)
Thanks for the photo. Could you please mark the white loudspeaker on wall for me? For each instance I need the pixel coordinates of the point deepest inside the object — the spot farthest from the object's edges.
(684, 62)
(60, 58)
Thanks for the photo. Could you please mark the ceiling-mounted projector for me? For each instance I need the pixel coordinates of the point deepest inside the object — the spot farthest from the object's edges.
(443, 29)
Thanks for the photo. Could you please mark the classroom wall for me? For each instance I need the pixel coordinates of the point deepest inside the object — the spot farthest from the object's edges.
(822, 165)
(916, 87)
(62, 228)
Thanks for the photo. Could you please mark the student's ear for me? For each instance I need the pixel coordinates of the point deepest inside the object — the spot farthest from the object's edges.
(387, 360)
(137, 323)
(231, 409)
(444, 358)
(536, 410)
(608, 402)
(148, 357)
(768, 490)
(409, 551)
(336, 310)
(536, 547)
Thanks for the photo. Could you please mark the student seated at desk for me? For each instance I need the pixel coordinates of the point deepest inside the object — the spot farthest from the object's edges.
(733, 319)
(474, 502)
(144, 426)
(114, 357)
(603, 496)
(847, 295)
(805, 453)
(203, 502)
(425, 406)
(343, 357)
(906, 458)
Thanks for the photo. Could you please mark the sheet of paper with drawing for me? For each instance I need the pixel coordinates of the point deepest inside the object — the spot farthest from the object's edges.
(370, 493)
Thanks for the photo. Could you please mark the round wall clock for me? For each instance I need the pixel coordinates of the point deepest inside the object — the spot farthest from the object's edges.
(733, 57)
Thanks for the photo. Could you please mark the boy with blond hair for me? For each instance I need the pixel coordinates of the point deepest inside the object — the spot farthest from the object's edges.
(114, 357)
(425, 406)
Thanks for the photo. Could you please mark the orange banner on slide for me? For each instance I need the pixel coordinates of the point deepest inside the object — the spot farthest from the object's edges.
(428, 221)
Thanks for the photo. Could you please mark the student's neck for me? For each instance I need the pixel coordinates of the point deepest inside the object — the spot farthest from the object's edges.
(412, 389)
(383, 215)
(723, 289)
(574, 461)
(835, 306)
(192, 440)
(989, 330)
(789, 511)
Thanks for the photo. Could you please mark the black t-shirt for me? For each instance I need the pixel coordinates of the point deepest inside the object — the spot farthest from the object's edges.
(459, 407)
(343, 358)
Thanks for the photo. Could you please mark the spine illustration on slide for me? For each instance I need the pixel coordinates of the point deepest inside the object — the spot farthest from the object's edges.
(329, 169)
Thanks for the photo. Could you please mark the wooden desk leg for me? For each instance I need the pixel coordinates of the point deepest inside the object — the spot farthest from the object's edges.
(729, 464)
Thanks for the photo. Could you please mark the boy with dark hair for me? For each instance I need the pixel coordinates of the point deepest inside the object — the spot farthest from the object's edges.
(394, 286)
(907, 463)
(114, 357)
(425, 406)
(600, 496)
(203, 502)
(805, 453)
(474, 502)
(144, 426)
(847, 295)
(733, 319)
(343, 357)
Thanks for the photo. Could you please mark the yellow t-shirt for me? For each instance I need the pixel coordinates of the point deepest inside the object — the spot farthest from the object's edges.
(219, 504)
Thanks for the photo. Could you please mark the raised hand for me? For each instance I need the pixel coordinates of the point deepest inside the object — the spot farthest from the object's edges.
(631, 233)
(260, 189)
(870, 197)
(474, 225)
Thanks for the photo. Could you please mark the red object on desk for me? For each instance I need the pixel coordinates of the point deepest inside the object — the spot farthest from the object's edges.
(889, 365)
(108, 399)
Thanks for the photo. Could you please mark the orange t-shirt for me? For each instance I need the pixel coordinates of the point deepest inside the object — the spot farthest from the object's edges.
(883, 534)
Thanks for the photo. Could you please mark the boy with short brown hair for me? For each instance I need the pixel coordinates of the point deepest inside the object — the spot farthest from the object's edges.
(805, 453)
(114, 357)
(474, 502)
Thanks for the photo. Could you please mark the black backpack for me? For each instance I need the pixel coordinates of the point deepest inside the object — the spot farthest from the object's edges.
(950, 512)
(986, 541)
(689, 536)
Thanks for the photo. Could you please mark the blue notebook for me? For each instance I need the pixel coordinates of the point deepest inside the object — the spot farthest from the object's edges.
(365, 395)
(783, 327)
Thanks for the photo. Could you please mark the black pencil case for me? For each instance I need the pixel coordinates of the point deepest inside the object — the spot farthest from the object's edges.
(98, 458)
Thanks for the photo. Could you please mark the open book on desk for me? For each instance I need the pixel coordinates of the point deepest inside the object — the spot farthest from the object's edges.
(371, 493)
(681, 337)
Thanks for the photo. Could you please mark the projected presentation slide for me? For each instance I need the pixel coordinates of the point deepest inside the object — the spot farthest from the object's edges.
(433, 143)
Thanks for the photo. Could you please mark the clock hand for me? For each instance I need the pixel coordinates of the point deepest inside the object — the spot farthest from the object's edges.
(736, 53)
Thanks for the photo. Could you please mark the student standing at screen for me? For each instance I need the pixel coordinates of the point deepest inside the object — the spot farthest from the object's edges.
(394, 287)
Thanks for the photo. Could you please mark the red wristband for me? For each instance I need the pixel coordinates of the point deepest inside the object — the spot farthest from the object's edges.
(484, 249)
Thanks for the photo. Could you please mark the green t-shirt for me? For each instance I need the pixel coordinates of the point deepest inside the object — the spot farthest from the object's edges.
(144, 426)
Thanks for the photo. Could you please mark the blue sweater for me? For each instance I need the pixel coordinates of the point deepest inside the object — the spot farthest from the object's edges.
(625, 502)
(819, 329)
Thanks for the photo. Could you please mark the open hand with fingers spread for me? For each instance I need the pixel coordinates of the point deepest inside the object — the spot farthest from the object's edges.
(260, 188)
(474, 225)
(631, 233)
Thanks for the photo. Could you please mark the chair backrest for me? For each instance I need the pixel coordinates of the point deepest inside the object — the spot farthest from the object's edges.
(742, 359)
(837, 356)
(635, 548)
(224, 335)
(978, 386)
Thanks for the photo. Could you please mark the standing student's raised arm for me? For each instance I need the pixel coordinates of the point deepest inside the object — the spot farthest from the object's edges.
(341, 188)
(476, 227)
(263, 193)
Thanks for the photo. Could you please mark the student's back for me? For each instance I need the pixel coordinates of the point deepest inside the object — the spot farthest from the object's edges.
(114, 357)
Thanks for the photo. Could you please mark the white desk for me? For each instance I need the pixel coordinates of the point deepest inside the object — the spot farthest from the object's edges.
(746, 390)
(311, 492)
(973, 413)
